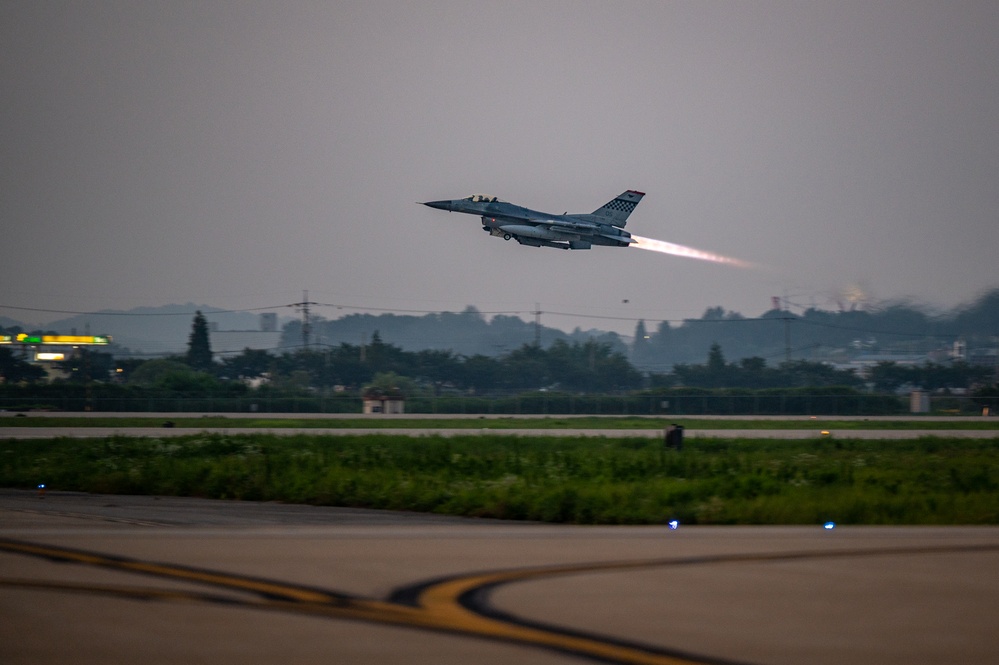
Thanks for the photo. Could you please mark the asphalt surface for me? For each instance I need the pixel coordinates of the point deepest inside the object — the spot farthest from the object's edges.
(164, 432)
(817, 426)
(99, 579)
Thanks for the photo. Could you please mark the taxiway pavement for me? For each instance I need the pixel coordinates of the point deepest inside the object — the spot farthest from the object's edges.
(97, 579)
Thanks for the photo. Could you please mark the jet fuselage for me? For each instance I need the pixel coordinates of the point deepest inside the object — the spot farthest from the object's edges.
(541, 229)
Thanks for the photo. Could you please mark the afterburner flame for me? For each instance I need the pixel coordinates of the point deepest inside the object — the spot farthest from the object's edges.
(689, 252)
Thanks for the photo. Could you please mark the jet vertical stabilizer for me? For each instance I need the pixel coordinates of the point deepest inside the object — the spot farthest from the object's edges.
(616, 212)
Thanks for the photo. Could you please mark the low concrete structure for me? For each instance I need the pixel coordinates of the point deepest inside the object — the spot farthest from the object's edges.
(377, 402)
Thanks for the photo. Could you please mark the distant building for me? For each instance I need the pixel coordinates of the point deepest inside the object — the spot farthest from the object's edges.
(268, 322)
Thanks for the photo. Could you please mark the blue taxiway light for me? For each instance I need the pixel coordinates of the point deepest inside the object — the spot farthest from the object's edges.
(829, 525)
(673, 525)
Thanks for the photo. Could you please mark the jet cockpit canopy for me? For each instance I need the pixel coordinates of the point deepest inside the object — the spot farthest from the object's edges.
(482, 198)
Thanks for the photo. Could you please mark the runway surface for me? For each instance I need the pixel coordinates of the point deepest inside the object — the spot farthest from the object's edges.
(162, 432)
(811, 427)
(98, 579)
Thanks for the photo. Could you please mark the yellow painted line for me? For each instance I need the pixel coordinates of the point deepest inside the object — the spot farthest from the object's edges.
(452, 617)
(180, 573)
(139, 593)
(256, 586)
(442, 600)
(438, 606)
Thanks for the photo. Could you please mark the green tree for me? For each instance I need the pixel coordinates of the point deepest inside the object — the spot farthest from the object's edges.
(249, 364)
(526, 368)
(802, 373)
(715, 374)
(390, 384)
(481, 373)
(716, 359)
(199, 349)
(16, 370)
(890, 376)
(153, 372)
(87, 365)
(934, 376)
(179, 378)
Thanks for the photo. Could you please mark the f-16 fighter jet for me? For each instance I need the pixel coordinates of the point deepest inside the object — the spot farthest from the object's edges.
(604, 226)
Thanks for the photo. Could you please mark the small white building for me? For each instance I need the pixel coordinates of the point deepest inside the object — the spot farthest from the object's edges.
(376, 402)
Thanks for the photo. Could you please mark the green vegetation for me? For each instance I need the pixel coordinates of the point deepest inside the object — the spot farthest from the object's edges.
(591, 377)
(929, 480)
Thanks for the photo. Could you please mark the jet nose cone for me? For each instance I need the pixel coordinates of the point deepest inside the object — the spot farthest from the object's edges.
(440, 205)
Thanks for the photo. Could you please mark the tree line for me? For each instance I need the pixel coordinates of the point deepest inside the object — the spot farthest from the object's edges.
(817, 334)
(573, 367)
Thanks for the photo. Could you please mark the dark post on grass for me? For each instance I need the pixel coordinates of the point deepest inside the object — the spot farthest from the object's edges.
(674, 437)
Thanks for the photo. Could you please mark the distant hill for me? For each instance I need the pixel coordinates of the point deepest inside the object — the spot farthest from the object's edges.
(819, 335)
(164, 330)
(466, 333)
(812, 334)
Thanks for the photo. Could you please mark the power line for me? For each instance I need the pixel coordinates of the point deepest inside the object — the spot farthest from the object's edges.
(303, 307)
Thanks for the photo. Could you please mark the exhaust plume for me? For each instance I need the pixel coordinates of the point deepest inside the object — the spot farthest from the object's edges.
(679, 250)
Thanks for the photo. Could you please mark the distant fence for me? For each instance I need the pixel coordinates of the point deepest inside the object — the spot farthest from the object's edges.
(526, 404)
(558, 404)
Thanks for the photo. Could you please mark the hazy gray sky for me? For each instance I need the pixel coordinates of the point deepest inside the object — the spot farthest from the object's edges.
(236, 153)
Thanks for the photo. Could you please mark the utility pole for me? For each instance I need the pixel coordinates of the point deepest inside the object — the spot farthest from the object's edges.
(537, 325)
(303, 307)
(787, 337)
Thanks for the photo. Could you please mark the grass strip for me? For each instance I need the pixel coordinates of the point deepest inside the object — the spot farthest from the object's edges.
(580, 480)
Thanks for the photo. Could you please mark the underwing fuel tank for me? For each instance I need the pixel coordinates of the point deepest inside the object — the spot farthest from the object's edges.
(527, 231)
(535, 242)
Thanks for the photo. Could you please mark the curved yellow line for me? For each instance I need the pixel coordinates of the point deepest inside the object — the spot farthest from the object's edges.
(438, 606)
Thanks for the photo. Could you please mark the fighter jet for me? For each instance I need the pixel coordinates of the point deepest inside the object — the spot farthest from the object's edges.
(604, 226)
